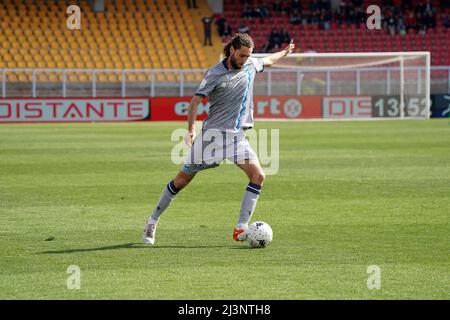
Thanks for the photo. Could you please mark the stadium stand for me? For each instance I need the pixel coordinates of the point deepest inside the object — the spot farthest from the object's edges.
(130, 34)
(165, 34)
(342, 36)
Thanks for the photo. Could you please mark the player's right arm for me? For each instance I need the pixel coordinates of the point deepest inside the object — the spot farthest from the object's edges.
(192, 114)
(203, 91)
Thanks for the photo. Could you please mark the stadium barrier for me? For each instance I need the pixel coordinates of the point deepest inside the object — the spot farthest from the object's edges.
(13, 110)
(181, 82)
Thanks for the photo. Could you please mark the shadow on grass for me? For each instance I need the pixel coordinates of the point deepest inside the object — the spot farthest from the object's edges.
(133, 246)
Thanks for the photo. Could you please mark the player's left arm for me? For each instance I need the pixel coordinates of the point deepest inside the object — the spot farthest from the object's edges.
(273, 58)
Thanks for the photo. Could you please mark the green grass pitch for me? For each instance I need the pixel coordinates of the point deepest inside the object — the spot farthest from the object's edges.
(348, 195)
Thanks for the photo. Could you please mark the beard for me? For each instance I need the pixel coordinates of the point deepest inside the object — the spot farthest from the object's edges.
(234, 63)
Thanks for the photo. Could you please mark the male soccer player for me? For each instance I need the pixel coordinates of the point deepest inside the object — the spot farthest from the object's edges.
(229, 86)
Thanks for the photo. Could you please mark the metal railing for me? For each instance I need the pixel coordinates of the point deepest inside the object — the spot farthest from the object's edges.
(181, 82)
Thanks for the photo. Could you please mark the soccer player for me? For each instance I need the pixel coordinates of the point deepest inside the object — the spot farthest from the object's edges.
(229, 87)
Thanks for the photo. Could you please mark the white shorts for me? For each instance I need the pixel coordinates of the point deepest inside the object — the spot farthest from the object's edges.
(211, 147)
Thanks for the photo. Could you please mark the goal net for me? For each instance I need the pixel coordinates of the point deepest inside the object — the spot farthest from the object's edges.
(351, 85)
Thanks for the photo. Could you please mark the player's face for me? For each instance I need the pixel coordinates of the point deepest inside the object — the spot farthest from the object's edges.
(238, 57)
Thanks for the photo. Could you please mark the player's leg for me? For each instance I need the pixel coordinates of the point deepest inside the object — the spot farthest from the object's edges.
(193, 163)
(246, 159)
(170, 191)
(168, 195)
(256, 178)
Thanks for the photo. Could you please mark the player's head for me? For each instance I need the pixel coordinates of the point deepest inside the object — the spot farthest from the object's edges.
(239, 49)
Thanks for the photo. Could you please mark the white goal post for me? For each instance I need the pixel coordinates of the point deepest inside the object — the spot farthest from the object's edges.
(390, 84)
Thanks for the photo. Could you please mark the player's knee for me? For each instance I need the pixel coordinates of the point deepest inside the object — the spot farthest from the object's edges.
(182, 180)
(258, 178)
(180, 183)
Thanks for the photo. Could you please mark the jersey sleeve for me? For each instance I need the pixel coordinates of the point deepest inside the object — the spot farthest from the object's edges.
(259, 64)
(207, 85)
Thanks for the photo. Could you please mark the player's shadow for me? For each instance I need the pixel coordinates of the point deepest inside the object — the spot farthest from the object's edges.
(131, 246)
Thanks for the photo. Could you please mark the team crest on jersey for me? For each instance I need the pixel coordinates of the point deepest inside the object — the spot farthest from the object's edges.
(235, 78)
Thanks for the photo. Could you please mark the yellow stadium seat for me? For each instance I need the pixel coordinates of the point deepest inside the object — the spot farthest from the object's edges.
(142, 77)
(160, 77)
(72, 77)
(13, 77)
(53, 77)
(42, 77)
(101, 77)
(131, 34)
(51, 64)
(91, 65)
(132, 77)
(24, 77)
(7, 57)
(84, 78)
(112, 77)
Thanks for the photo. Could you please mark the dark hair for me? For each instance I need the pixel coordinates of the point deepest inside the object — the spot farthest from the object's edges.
(237, 41)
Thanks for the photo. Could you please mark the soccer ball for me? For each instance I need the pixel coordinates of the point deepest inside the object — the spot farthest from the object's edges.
(259, 234)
